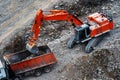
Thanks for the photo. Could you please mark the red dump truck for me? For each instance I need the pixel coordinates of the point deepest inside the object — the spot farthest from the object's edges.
(14, 66)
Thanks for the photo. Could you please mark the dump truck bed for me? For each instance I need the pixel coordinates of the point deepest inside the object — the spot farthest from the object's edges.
(23, 65)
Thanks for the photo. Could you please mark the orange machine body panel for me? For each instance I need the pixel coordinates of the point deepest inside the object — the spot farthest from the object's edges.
(30, 63)
(99, 24)
(34, 63)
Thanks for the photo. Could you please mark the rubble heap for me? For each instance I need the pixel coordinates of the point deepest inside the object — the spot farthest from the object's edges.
(81, 7)
(102, 64)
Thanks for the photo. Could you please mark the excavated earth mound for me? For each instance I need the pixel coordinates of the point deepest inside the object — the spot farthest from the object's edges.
(102, 64)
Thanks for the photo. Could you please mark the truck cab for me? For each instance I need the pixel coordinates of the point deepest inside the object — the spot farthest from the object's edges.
(2, 71)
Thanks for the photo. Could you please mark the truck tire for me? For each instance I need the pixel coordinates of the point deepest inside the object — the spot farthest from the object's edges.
(37, 73)
(47, 69)
(71, 42)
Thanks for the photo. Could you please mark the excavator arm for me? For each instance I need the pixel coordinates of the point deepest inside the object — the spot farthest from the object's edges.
(53, 15)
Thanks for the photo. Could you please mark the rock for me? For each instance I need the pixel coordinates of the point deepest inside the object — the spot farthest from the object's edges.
(117, 26)
(114, 12)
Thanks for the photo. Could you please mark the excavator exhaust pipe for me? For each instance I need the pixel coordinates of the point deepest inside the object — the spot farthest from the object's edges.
(33, 49)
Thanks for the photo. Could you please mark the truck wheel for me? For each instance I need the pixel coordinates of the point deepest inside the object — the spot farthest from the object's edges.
(71, 42)
(47, 69)
(37, 73)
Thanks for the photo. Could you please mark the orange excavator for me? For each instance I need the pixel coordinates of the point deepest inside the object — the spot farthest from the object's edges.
(96, 25)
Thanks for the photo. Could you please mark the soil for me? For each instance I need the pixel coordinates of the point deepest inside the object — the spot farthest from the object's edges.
(16, 18)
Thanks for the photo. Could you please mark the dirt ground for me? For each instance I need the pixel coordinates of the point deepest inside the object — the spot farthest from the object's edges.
(103, 63)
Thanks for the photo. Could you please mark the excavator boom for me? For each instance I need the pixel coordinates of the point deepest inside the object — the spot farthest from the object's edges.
(53, 15)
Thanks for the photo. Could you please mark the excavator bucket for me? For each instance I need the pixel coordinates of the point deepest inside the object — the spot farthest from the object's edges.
(33, 49)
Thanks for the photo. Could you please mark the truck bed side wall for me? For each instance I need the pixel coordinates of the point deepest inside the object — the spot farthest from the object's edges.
(34, 63)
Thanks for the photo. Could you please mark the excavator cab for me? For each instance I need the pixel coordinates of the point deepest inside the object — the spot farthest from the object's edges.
(82, 34)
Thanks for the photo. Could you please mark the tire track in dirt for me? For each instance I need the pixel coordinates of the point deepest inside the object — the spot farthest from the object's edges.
(10, 8)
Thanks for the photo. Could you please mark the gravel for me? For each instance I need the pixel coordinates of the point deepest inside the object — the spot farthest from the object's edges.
(74, 64)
